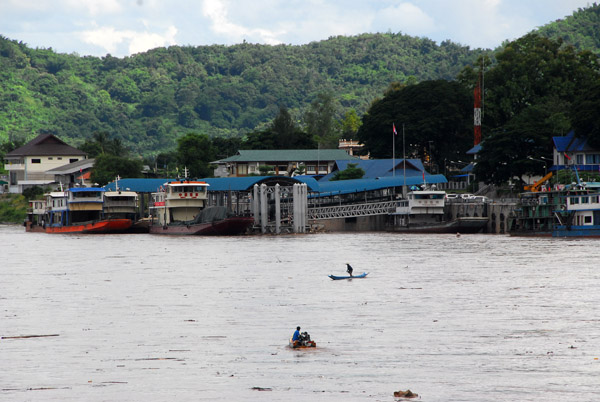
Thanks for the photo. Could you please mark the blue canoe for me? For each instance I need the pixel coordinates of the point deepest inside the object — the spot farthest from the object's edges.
(335, 278)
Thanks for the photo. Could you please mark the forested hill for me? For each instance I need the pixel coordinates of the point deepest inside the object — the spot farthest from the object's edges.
(582, 29)
(149, 99)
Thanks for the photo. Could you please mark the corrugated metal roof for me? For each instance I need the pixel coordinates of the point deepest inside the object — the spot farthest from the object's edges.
(375, 168)
(45, 145)
(474, 150)
(215, 184)
(570, 143)
(288, 155)
(328, 188)
(73, 167)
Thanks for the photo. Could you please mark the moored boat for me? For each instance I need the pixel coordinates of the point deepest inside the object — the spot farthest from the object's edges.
(565, 211)
(77, 210)
(181, 208)
(423, 212)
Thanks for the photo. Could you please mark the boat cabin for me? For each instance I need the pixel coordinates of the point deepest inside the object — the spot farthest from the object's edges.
(179, 201)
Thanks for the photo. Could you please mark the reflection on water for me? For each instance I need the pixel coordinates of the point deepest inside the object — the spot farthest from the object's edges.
(159, 318)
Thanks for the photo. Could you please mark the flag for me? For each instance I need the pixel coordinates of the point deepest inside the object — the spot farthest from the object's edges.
(394, 129)
(567, 156)
(423, 175)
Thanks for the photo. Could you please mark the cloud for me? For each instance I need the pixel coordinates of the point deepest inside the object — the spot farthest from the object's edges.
(111, 39)
(405, 17)
(94, 7)
(217, 12)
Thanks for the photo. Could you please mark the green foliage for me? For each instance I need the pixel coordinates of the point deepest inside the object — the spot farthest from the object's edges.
(13, 208)
(265, 170)
(150, 99)
(586, 113)
(34, 193)
(529, 95)
(351, 172)
(579, 29)
(107, 167)
(438, 111)
(195, 152)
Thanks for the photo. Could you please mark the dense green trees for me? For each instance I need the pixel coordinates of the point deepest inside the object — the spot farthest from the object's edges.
(150, 99)
(437, 117)
(529, 95)
(195, 152)
(352, 171)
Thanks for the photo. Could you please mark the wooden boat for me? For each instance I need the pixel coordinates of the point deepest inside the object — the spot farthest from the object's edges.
(337, 278)
(302, 343)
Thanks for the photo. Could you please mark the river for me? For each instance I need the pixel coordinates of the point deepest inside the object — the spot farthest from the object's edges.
(161, 318)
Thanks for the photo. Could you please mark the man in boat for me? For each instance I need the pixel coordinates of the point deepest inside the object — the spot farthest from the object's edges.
(349, 269)
(296, 335)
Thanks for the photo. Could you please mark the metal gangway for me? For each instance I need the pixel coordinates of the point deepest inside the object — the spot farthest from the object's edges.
(352, 210)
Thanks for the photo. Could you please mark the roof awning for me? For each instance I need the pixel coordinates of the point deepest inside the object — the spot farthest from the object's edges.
(34, 182)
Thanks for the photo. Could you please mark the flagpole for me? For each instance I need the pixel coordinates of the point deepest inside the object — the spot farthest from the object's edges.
(403, 162)
(393, 150)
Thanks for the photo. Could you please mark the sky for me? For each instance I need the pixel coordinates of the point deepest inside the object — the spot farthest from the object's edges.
(125, 27)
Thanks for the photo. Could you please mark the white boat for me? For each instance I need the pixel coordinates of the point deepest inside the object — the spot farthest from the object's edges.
(423, 212)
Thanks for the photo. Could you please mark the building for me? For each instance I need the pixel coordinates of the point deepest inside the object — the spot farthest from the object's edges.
(74, 174)
(280, 162)
(571, 151)
(28, 165)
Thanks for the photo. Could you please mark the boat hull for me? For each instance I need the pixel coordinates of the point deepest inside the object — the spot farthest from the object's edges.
(104, 226)
(337, 278)
(459, 225)
(300, 345)
(225, 227)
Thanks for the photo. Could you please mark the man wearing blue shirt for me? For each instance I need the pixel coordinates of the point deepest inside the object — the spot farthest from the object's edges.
(296, 334)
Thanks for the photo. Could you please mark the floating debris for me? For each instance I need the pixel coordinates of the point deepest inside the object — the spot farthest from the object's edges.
(405, 394)
(261, 389)
(28, 336)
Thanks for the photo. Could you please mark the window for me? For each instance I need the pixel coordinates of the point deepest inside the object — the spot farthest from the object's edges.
(594, 199)
(579, 158)
(73, 160)
(587, 219)
(59, 158)
(585, 200)
(574, 200)
(36, 160)
(592, 159)
(242, 169)
(50, 158)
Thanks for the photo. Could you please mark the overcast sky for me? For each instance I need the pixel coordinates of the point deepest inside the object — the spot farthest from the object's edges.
(125, 27)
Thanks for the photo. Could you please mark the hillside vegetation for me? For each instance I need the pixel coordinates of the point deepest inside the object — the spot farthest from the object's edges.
(149, 99)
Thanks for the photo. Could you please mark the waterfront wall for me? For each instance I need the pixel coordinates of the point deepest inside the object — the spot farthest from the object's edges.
(497, 212)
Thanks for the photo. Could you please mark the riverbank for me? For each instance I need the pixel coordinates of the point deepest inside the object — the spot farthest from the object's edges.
(13, 208)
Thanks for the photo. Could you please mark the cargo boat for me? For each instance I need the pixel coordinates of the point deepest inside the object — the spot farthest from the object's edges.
(77, 210)
(180, 208)
(423, 212)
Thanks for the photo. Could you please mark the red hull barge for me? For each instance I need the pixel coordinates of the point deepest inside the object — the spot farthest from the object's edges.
(226, 227)
(106, 226)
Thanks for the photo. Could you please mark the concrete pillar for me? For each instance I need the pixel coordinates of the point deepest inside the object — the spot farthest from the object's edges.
(263, 208)
(255, 205)
(277, 210)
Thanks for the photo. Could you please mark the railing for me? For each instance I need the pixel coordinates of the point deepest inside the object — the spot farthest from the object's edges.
(352, 210)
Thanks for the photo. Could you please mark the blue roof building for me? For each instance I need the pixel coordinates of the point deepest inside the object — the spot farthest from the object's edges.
(571, 151)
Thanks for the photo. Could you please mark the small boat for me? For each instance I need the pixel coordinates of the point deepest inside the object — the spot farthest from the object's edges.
(337, 278)
(303, 342)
